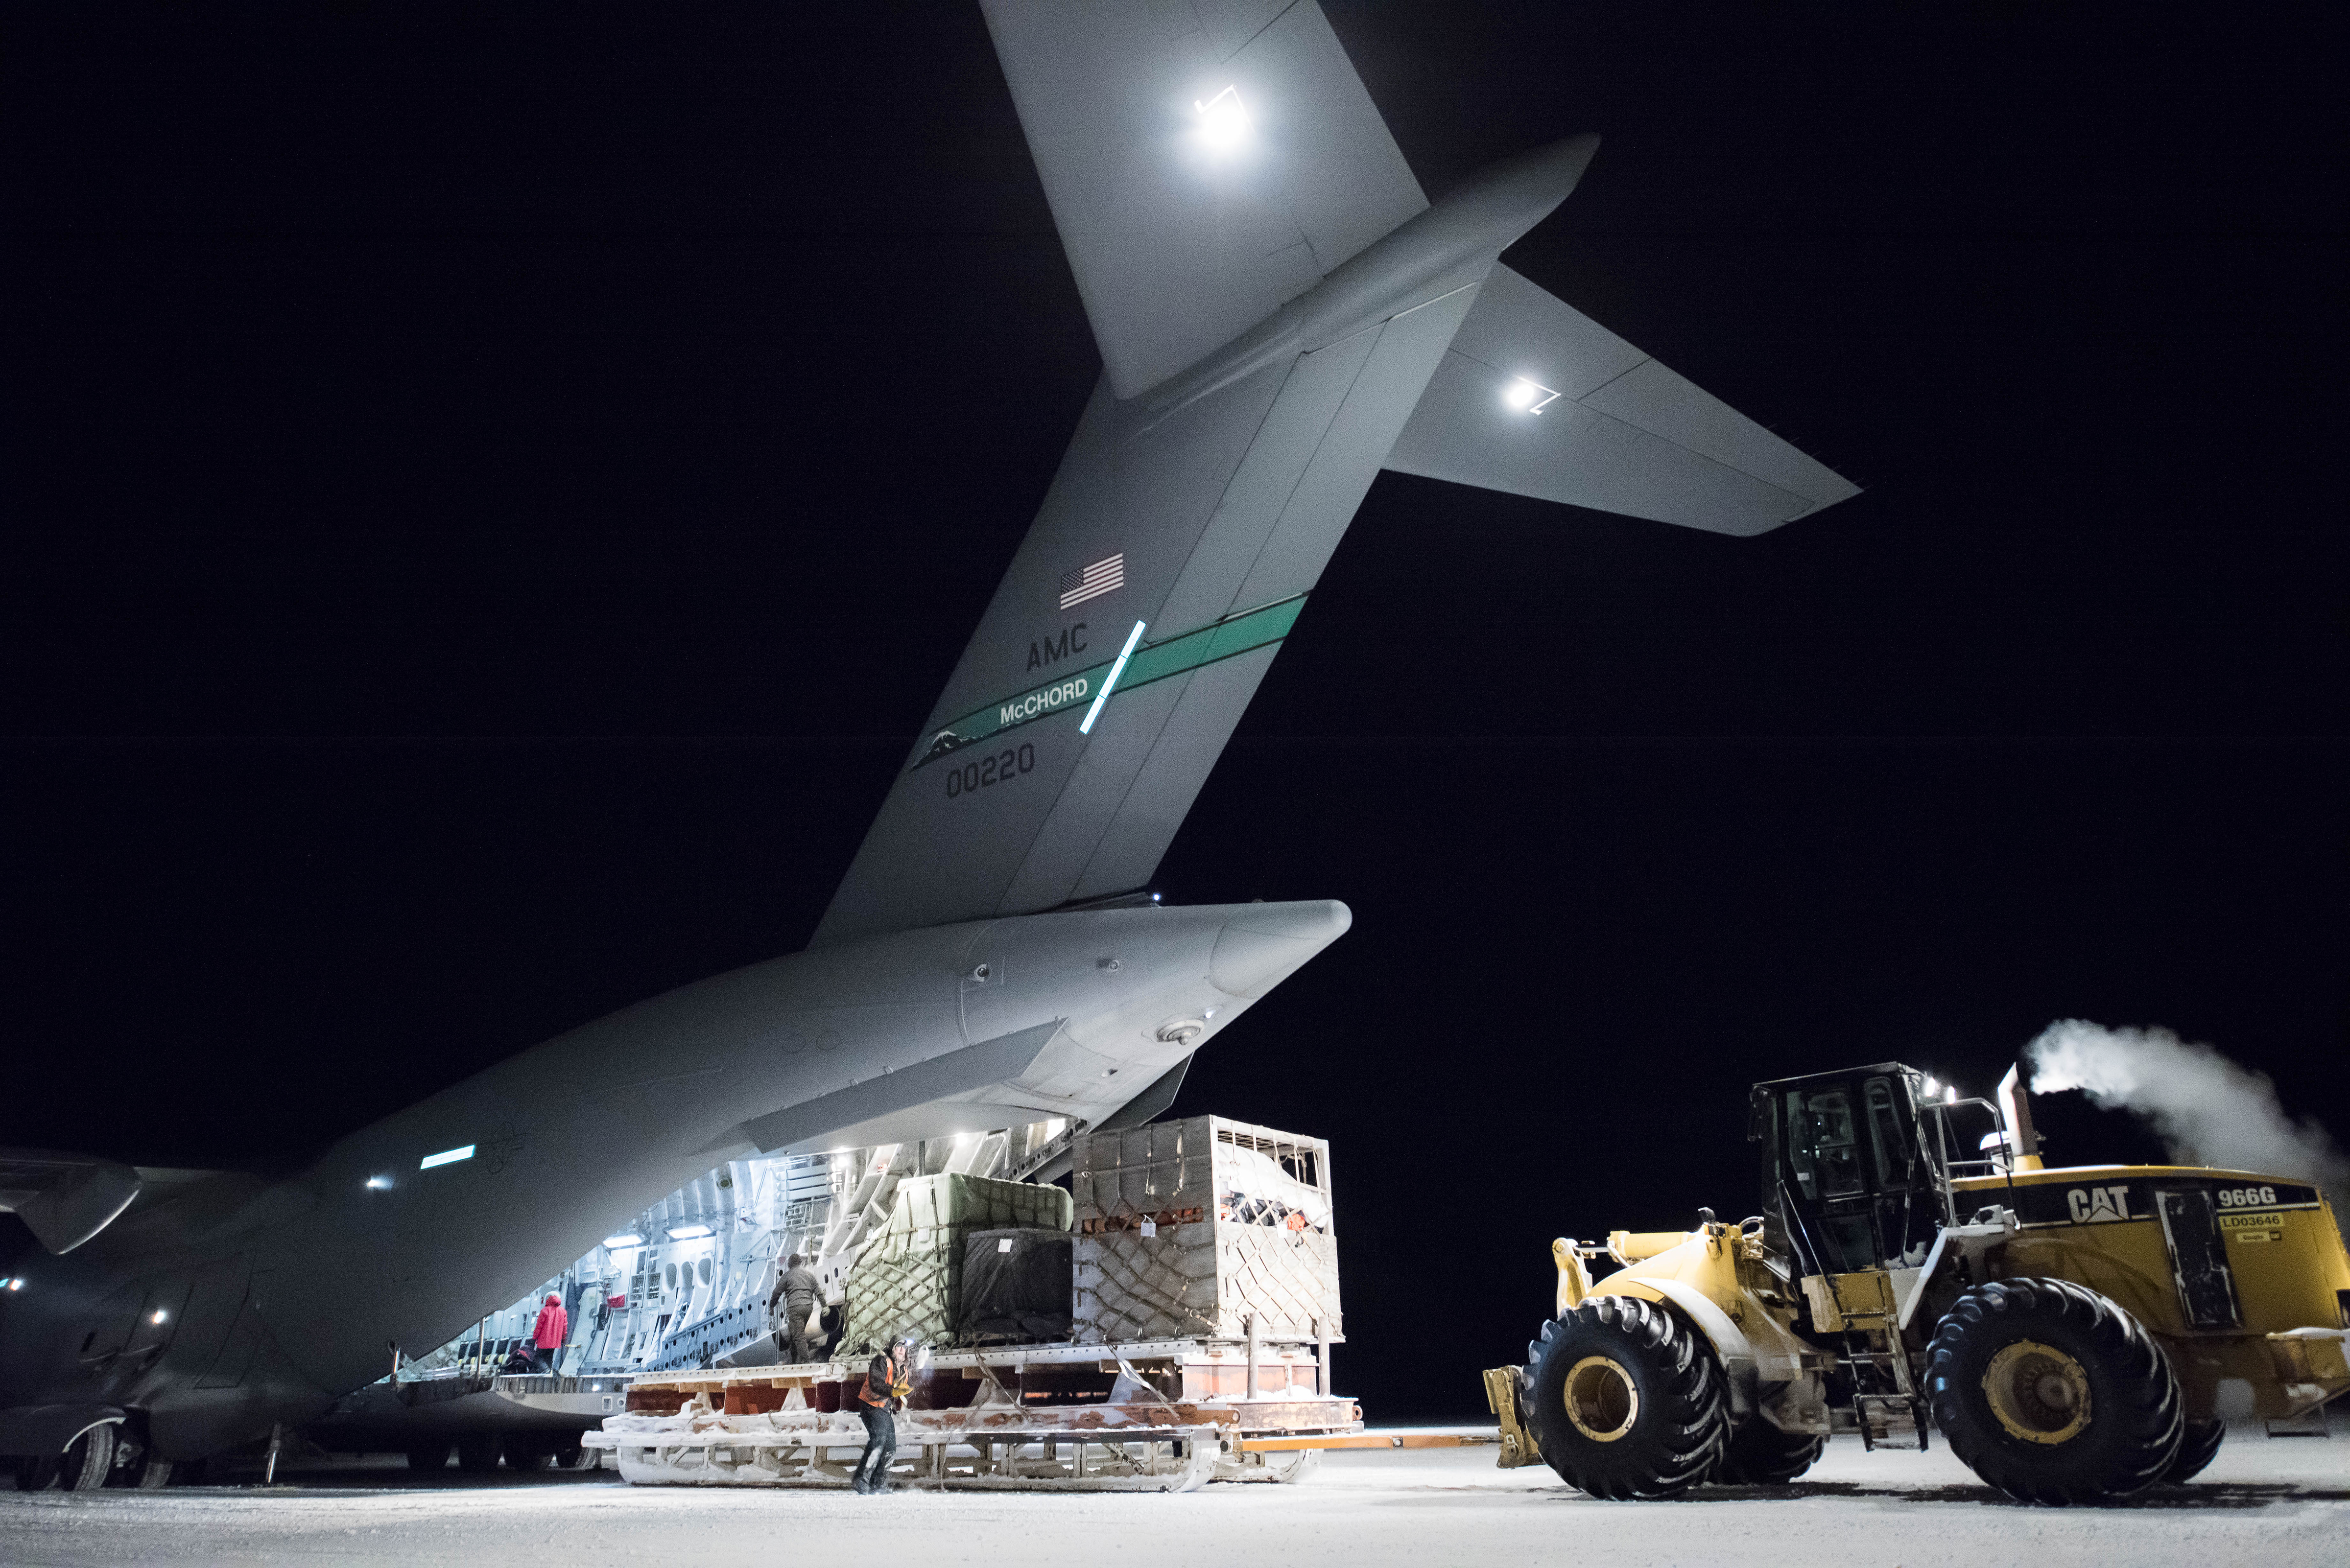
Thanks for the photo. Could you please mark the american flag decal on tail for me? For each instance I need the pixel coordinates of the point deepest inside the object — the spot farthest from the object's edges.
(1091, 582)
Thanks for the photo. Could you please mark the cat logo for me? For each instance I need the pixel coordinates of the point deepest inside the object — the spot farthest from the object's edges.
(2097, 1205)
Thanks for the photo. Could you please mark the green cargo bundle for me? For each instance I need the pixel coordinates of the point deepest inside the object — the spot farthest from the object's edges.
(909, 1276)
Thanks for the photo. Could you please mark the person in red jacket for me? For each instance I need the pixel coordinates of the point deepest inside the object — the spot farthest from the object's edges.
(547, 1338)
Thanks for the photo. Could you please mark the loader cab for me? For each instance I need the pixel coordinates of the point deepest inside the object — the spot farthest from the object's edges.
(1849, 1181)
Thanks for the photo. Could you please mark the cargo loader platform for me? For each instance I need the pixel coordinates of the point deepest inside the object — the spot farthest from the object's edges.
(1150, 1416)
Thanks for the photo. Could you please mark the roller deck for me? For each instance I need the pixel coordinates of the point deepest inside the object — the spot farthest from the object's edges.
(1151, 1416)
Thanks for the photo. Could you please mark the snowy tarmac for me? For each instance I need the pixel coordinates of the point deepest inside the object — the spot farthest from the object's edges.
(2276, 1503)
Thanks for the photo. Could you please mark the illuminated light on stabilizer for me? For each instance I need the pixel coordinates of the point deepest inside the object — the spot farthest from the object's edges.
(1933, 1086)
(1951, 1094)
(629, 1240)
(159, 1315)
(1528, 397)
(446, 1156)
(689, 1233)
(1110, 679)
(378, 1183)
(1223, 121)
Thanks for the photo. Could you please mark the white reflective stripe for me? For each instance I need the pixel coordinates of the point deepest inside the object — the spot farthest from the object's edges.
(1111, 679)
(446, 1156)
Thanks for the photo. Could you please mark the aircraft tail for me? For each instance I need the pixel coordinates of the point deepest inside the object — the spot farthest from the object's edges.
(1207, 161)
(1273, 299)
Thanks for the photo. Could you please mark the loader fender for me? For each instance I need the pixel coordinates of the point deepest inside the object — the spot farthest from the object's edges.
(1731, 1346)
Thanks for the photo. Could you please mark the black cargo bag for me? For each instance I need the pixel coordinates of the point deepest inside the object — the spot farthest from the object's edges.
(1015, 1287)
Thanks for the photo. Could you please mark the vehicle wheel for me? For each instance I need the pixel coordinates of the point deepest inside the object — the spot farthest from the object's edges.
(1760, 1454)
(571, 1456)
(136, 1466)
(430, 1457)
(2052, 1392)
(478, 1456)
(87, 1460)
(2197, 1447)
(1626, 1400)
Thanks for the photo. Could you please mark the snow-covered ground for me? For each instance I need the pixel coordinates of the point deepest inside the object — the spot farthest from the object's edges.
(2273, 1503)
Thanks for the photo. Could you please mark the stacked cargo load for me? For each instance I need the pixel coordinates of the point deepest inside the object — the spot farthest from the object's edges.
(1204, 1229)
(1193, 1345)
(909, 1276)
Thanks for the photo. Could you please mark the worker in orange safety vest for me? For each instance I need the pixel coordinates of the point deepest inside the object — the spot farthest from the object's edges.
(888, 1381)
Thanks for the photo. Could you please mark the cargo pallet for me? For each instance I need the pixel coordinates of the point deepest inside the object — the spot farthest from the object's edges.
(1151, 1416)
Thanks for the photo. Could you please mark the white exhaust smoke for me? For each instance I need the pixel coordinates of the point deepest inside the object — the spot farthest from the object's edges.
(2207, 1109)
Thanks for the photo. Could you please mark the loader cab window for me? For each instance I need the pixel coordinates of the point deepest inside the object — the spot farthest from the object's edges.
(1821, 1144)
(1895, 1165)
(1844, 1174)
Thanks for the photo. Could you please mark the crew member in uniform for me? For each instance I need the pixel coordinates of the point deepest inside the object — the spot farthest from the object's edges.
(888, 1381)
(797, 1291)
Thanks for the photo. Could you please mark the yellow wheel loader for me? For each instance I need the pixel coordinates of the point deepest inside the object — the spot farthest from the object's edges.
(2074, 1334)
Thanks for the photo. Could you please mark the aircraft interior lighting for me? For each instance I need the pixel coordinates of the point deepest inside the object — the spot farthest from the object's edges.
(630, 1240)
(689, 1233)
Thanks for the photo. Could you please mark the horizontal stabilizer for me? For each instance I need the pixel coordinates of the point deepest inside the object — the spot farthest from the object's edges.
(1536, 399)
(1207, 161)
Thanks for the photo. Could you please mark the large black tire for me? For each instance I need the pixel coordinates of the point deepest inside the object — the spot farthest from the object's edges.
(87, 1460)
(477, 1453)
(2197, 1447)
(1626, 1400)
(2052, 1392)
(1761, 1455)
(136, 1466)
(430, 1457)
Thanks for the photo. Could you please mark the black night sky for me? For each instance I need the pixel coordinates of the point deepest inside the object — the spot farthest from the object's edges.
(489, 492)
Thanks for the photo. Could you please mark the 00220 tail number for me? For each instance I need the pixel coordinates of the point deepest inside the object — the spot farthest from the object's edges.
(1003, 764)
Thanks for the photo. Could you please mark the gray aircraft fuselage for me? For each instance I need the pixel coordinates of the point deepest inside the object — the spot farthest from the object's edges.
(219, 1305)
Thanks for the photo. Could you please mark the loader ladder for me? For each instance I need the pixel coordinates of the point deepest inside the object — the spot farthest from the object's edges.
(1886, 1403)
(1894, 1419)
